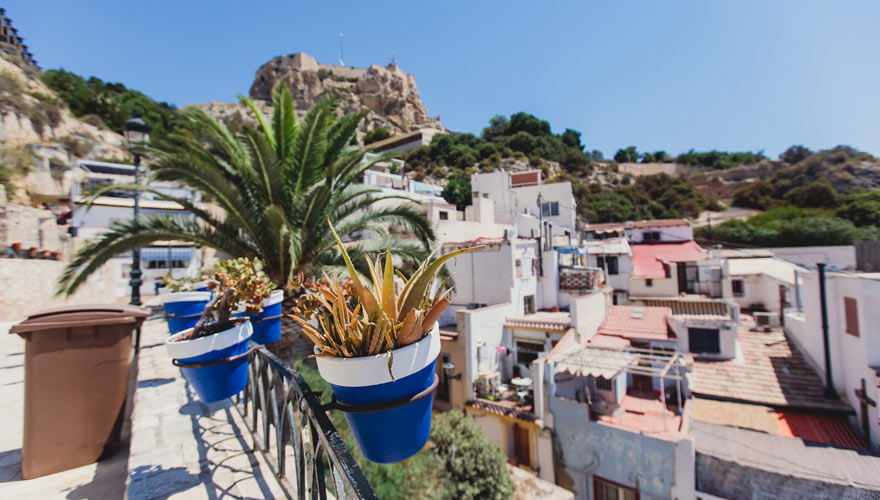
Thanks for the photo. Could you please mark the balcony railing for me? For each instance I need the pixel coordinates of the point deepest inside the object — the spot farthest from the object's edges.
(580, 279)
(278, 405)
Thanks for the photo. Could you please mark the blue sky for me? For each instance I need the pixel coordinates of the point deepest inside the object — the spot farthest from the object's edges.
(672, 75)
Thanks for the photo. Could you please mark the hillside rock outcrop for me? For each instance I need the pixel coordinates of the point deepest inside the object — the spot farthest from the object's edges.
(387, 91)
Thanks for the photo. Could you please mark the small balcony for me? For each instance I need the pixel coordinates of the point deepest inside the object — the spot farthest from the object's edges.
(580, 279)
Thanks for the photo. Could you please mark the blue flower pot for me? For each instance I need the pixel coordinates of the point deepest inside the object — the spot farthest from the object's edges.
(220, 381)
(393, 435)
(182, 310)
(267, 324)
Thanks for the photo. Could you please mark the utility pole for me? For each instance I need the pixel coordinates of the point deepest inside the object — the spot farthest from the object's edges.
(709, 218)
(541, 234)
(341, 60)
(830, 393)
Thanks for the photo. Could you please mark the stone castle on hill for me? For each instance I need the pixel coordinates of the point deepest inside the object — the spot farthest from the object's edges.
(386, 90)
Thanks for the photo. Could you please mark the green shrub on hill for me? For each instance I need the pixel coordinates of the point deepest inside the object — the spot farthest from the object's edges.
(790, 226)
(112, 103)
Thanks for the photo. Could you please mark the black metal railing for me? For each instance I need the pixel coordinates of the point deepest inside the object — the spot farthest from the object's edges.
(279, 404)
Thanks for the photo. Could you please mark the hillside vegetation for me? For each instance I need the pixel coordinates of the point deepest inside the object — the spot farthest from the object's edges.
(824, 198)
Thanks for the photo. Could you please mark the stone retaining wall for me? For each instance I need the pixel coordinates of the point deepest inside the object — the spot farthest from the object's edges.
(28, 286)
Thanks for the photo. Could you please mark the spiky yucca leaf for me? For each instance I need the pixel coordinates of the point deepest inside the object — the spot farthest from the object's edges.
(381, 320)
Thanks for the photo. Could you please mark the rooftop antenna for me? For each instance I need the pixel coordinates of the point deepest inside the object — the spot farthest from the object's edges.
(341, 61)
(394, 58)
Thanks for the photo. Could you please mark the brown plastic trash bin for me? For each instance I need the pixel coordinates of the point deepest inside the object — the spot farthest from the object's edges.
(77, 364)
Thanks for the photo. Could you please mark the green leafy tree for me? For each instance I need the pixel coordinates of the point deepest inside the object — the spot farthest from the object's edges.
(795, 154)
(474, 466)
(862, 209)
(458, 192)
(376, 135)
(755, 195)
(609, 207)
(275, 185)
(815, 194)
(628, 155)
(572, 139)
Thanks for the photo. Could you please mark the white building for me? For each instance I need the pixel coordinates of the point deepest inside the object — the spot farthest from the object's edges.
(762, 282)
(645, 231)
(852, 302)
(178, 258)
(521, 192)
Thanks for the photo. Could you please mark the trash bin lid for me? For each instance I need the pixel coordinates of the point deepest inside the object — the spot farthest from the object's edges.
(81, 315)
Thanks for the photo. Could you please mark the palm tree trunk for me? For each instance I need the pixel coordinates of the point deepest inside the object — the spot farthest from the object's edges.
(293, 344)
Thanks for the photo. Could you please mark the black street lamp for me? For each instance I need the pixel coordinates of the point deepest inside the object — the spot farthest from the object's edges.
(137, 134)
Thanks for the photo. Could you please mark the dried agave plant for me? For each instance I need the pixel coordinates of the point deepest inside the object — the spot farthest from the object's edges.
(357, 320)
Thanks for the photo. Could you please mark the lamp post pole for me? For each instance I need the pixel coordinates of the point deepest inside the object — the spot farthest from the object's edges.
(137, 133)
(136, 280)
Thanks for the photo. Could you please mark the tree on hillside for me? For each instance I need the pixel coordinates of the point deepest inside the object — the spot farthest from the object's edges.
(474, 467)
(458, 192)
(276, 186)
(813, 195)
(754, 195)
(376, 135)
(628, 155)
(572, 139)
(795, 154)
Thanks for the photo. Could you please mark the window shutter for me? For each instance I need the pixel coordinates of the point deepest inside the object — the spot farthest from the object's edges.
(851, 311)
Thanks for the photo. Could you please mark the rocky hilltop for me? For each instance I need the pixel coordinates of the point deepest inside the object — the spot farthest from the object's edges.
(387, 91)
(39, 136)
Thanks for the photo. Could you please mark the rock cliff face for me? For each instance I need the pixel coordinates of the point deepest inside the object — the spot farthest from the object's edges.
(40, 138)
(386, 90)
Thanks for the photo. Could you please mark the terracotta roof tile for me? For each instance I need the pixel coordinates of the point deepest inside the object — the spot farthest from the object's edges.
(634, 322)
(648, 258)
(771, 372)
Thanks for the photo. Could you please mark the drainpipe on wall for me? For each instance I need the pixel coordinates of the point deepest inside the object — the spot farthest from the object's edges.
(797, 291)
(830, 393)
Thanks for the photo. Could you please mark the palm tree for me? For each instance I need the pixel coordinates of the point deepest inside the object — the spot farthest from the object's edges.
(275, 185)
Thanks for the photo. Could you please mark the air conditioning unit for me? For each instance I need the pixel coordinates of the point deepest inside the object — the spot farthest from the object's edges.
(766, 319)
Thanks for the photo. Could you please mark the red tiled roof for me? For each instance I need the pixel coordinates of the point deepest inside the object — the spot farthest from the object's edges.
(690, 308)
(829, 429)
(633, 322)
(771, 372)
(648, 258)
(613, 343)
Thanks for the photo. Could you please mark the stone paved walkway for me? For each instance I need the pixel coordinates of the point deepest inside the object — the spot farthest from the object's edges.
(182, 448)
(178, 449)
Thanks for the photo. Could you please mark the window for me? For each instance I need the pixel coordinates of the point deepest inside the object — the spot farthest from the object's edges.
(603, 384)
(444, 215)
(519, 269)
(704, 341)
(851, 311)
(608, 263)
(604, 489)
(739, 288)
(549, 208)
(649, 282)
(651, 236)
(528, 351)
(529, 304)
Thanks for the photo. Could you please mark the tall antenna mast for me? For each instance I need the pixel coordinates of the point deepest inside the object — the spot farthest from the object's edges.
(341, 60)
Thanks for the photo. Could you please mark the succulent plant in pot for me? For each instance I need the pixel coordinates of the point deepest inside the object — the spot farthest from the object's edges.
(376, 346)
(213, 353)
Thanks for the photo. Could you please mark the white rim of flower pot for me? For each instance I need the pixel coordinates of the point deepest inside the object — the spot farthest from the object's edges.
(199, 284)
(373, 370)
(187, 297)
(185, 349)
(276, 297)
